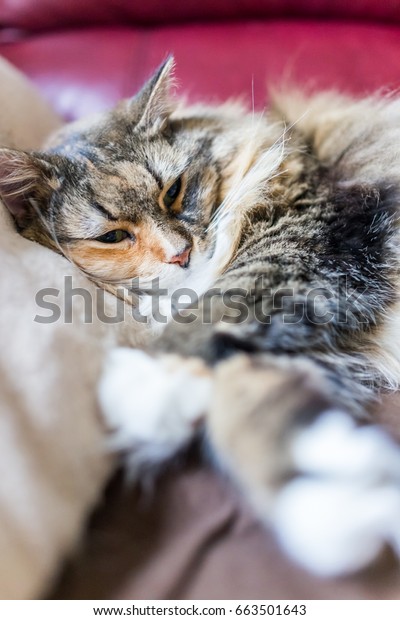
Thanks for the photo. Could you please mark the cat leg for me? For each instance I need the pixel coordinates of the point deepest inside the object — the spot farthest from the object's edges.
(152, 405)
(329, 488)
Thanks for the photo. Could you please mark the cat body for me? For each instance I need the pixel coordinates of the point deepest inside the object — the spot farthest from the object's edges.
(285, 227)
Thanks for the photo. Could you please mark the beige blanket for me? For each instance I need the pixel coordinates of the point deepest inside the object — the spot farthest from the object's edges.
(53, 461)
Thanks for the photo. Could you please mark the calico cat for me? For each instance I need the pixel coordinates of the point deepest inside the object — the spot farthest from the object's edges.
(286, 229)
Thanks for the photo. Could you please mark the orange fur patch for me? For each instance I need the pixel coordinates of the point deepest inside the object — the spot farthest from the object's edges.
(142, 256)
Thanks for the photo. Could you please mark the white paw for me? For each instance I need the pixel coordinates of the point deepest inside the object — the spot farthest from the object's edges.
(151, 405)
(338, 514)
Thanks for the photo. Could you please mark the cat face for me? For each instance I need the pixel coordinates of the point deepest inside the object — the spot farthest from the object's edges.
(129, 194)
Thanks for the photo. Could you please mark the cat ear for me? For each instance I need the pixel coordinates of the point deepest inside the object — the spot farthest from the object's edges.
(154, 100)
(26, 183)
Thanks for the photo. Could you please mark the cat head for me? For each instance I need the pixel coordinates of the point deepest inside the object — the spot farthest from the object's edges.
(127, 194)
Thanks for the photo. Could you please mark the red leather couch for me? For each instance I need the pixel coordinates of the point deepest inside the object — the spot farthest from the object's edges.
(195, 540)
(85, 54)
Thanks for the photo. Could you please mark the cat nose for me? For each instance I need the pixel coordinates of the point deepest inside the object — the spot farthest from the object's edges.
(183, 258)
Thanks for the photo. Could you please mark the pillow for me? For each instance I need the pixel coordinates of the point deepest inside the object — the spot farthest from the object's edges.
(53, 461)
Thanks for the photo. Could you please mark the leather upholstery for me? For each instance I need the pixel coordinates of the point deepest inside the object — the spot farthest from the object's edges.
(86, 54)
(45, 14)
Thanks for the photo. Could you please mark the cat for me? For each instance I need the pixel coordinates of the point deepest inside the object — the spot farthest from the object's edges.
(296, 214)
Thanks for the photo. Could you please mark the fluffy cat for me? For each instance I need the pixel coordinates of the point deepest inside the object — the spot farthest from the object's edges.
(292, 219)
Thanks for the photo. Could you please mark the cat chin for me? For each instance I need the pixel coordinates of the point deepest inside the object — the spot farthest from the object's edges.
(187, 285)
(167, 293)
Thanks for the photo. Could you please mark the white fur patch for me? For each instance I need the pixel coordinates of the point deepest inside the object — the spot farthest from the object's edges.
(337, 515)
(151, 405)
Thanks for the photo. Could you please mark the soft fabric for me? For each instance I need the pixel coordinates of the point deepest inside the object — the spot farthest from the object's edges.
(195, 539)
(53, 460)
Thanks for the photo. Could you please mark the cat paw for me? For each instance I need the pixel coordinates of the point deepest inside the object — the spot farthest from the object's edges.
(152, 405)
(343, 508)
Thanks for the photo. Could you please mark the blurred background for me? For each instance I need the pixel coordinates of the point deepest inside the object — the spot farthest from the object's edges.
(86, 54)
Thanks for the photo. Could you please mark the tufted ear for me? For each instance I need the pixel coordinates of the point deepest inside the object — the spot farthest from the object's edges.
(26, 183)
(154, 101)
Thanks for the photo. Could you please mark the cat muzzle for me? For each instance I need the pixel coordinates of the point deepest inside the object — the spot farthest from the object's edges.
(183, 258)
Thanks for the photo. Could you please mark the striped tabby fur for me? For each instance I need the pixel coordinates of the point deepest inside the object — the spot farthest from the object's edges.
(298, 209)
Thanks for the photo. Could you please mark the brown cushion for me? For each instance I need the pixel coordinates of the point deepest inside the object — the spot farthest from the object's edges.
(193, 538)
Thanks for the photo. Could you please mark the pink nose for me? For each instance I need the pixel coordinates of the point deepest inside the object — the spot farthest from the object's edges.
(182, 258)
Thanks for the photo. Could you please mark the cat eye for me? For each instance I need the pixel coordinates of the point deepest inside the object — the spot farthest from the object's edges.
(114, 236)
(172, 193)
